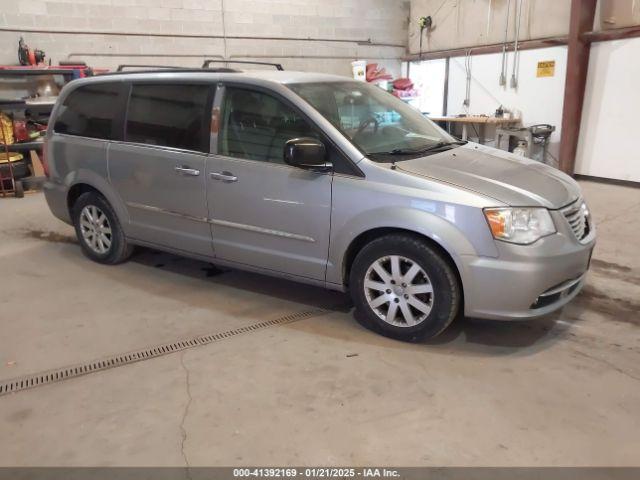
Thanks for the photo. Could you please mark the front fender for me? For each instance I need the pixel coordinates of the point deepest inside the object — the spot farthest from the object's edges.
(431, 225)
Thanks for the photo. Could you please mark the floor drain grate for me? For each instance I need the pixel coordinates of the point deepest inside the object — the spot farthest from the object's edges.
(59, 374)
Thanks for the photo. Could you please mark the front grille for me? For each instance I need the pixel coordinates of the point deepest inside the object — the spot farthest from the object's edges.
(577, 216)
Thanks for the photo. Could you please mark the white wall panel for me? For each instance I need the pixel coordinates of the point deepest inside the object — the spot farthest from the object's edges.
(428, 78)
(538, 99)
(608, 145)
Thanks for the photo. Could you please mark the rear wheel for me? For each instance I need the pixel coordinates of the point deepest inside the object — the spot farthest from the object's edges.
(98, 230)
(403, 288)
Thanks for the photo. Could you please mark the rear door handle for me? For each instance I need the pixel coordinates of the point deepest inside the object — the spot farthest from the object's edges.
(224, 176)
(184, 170)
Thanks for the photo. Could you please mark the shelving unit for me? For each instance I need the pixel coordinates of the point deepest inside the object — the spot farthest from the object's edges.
(15, 186)
(9, 185)
(25, 105)
(27, 146)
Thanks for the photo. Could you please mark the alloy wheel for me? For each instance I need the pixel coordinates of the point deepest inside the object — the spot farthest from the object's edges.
(95, 229)
(398, 290)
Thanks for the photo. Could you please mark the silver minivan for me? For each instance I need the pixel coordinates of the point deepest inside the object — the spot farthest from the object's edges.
(319, 179)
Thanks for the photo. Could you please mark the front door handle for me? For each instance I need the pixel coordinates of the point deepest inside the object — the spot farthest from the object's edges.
(224, 176)
(184, 170)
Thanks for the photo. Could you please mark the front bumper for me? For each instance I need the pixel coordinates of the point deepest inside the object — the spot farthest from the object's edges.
(527, 281)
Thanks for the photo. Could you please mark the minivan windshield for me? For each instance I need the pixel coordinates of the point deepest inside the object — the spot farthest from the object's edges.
(380, 125)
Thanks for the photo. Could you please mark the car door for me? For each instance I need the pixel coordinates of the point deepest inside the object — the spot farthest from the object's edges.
(159, 170)
(265, 213)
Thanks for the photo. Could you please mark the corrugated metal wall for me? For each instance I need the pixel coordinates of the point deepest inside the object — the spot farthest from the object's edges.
(469, 23)
(472, 23)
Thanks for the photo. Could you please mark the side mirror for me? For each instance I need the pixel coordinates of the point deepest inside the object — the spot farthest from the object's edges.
(307, 153)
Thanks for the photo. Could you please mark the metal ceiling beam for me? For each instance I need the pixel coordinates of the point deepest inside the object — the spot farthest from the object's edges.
(487, 49)
(613, 34)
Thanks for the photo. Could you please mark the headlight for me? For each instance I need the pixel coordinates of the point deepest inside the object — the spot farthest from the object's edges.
(519, 225)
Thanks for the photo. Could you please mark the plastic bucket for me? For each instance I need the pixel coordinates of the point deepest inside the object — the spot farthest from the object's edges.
(359, 68)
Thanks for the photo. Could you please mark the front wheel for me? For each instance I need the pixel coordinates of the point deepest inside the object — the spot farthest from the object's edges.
(98, 230)
(404, 288)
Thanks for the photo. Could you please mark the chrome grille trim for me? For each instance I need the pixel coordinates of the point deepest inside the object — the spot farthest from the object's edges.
(578, 219)
(566, 285)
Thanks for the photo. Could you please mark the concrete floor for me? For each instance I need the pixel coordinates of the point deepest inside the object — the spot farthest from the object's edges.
(563, 390)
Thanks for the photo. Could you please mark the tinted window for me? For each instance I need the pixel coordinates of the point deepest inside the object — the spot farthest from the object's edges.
(256, 126)
(170, 115)
(90, 111)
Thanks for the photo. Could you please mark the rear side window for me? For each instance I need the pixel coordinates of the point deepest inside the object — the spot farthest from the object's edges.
(91, 111)
(170, 115)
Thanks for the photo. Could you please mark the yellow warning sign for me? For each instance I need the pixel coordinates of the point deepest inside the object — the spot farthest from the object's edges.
(546, 69)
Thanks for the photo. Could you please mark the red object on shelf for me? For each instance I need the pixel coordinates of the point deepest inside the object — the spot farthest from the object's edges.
(403, 88)
(20, 132)
(28, 56)
(403, 84)
(374, 73)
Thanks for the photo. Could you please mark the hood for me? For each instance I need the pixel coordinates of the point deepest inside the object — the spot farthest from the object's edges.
(508, 178)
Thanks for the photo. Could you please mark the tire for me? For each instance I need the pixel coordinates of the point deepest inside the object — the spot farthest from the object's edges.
(116, 250)
(33, 183)
(419, 281)
(18, 189)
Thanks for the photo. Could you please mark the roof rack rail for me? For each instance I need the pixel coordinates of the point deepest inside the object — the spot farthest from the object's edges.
(247, 62)
(163, 69)
(172, 67)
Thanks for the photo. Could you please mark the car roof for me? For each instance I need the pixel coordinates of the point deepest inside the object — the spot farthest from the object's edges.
(293, 76)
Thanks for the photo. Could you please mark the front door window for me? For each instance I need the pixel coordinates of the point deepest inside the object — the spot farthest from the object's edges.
(256, 126)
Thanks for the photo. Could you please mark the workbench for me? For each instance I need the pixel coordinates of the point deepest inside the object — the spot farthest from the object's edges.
(481, 120)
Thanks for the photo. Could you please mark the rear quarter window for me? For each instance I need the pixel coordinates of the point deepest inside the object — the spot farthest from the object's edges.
(92, 111)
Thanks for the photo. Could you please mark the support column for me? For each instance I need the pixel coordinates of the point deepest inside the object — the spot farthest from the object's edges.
(581, 21)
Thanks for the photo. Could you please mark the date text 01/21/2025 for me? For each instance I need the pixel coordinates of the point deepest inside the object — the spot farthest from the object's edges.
(317, 472)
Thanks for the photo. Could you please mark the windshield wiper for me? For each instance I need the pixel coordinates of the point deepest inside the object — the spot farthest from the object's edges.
(413, 151)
